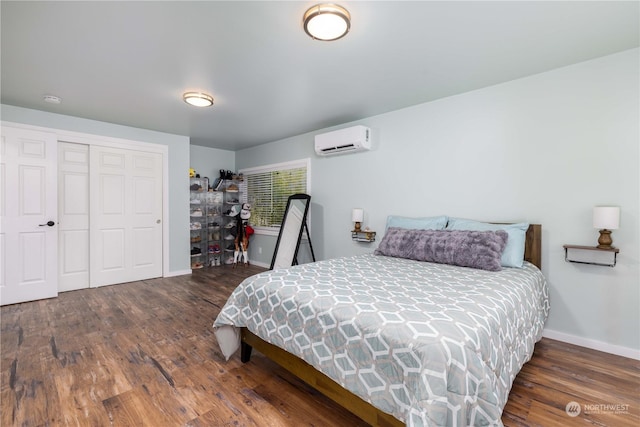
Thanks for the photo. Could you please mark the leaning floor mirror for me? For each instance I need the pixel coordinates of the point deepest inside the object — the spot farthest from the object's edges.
(294, 222)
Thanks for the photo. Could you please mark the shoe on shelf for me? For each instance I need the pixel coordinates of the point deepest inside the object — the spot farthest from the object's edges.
(196, 212)
(195, 251)
(232, 188)
(215, 198)
(195, 187)
(195, 201)
(196, 239)
(195, 226)
(229, 237)
(196, 265)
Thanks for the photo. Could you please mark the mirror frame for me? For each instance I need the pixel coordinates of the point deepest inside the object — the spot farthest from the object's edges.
(285, 225)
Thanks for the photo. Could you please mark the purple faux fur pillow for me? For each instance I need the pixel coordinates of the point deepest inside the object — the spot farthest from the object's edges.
(475, 249)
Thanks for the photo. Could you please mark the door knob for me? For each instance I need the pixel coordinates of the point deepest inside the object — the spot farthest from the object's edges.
(49, 223)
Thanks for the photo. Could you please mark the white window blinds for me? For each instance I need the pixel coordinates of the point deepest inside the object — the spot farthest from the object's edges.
(268, 188)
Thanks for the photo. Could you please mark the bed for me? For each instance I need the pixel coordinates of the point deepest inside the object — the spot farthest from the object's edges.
(394, 340)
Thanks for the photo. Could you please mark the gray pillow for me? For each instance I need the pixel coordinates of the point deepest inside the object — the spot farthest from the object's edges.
(475, 249)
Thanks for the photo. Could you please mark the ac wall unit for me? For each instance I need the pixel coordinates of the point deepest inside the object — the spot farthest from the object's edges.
(348, 140)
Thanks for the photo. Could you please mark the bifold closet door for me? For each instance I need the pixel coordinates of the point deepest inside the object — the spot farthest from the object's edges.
(125, 215)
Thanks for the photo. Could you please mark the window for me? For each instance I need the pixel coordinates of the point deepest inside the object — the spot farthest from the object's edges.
(268, 188)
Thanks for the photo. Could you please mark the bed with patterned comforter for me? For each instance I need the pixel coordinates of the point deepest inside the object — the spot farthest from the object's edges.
(431, 344)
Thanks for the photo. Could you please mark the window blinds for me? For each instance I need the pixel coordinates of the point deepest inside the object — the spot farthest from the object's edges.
(268, 190)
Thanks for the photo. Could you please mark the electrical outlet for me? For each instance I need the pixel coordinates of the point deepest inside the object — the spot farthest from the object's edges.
(259, 250)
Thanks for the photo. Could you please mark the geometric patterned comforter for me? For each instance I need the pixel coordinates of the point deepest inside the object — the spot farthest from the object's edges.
(431, 344)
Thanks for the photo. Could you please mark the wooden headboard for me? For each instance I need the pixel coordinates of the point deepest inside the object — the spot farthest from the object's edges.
(533, 245)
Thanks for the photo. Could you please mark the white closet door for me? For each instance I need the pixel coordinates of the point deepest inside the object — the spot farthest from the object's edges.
(126, 215)
(28, 201)
(73, 216)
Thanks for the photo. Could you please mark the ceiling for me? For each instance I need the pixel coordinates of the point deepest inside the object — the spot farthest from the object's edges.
(129, 62)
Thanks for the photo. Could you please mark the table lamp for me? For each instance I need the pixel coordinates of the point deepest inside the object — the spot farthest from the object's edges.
(606, 218)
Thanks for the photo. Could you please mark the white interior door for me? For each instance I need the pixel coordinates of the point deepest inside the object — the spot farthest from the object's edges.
(126, 215)
(73, 216)
(28, 211)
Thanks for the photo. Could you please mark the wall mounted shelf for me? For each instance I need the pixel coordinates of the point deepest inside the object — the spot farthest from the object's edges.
(363, 236)
(591, 255)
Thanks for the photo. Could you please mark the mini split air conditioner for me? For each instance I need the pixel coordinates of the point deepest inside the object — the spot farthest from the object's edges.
(348, 140)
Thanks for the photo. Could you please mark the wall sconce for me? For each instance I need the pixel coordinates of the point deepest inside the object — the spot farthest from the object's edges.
(357, 216)
(606, 218)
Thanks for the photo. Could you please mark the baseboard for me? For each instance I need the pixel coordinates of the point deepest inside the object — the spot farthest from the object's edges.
(260, 264)
(177, 273)
(592, 344)
(184, 272)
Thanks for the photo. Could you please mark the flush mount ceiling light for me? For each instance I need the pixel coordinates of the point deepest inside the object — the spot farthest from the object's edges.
(327, 22)
(198, 99)
(52, 99)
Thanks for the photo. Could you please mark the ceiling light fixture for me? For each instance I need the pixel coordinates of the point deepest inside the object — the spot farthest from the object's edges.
(198, 99)
(327, 22)
(52, 99)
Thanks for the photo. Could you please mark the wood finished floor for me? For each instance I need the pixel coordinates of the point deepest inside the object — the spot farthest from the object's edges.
(144, 354)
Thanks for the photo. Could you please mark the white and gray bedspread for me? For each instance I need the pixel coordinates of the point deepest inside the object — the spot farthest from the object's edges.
(431, 344)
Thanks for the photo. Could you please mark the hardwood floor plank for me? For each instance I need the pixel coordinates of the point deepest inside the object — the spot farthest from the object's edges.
(86, 391)
(561, 373)
(144, 354)
(198, 384)
(29, 392)
(223, 414)
(132, 408)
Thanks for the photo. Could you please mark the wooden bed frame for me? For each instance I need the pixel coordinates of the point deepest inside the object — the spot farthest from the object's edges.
(331, 389)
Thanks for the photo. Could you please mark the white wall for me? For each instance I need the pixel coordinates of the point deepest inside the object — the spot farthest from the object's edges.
(544, 149)
(208, 161)
(179, 259)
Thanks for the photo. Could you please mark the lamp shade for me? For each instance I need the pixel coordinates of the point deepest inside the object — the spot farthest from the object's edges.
(606, 217)
(357, 215)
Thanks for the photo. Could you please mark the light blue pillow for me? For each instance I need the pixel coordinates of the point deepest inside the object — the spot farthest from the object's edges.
(428, 223)
(513, 255)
